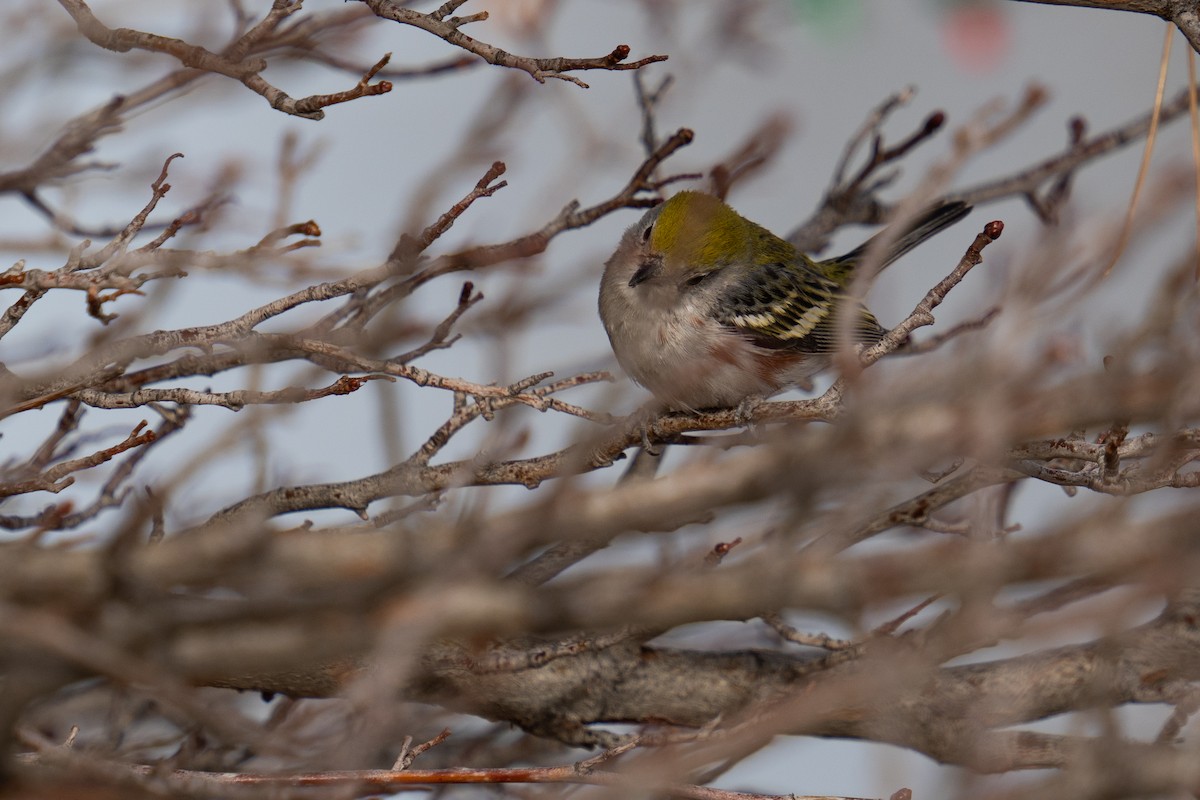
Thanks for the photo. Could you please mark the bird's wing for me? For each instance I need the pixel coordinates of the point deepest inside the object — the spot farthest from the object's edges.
(790, 306)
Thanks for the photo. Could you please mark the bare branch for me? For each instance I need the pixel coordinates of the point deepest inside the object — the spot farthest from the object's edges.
(539, 68)
(232, 63)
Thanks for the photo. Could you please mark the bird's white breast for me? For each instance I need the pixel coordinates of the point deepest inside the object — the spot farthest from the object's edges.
(689, 360)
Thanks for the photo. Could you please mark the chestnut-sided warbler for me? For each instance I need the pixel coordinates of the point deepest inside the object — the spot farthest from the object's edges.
(706, 308)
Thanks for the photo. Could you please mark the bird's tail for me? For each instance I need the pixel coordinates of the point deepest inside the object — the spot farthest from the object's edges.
(927, 224)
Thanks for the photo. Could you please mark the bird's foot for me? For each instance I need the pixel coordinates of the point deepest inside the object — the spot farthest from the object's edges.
(744, 413)
(647, 426)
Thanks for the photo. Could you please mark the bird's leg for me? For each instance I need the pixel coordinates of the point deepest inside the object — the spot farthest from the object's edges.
(647, 416)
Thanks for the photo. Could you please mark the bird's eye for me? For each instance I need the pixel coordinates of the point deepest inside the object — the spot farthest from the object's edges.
(697, 278)
(646, 233)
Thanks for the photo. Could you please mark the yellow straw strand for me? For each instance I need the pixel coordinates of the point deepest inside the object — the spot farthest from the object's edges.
(1195, 145)
(1150, 138)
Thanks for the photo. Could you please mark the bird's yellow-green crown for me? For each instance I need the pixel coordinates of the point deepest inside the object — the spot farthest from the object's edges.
(697, 231)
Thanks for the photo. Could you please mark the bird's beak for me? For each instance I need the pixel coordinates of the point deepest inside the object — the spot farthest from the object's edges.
(649, 268)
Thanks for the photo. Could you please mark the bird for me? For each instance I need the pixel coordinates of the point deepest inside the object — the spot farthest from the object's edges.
(707, 309)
